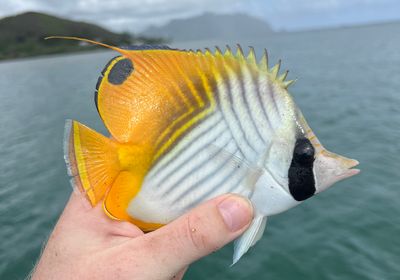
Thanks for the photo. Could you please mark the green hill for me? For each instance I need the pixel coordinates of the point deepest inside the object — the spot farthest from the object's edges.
(23, 35)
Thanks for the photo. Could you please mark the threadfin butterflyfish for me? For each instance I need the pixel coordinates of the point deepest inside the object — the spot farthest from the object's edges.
(187, 126)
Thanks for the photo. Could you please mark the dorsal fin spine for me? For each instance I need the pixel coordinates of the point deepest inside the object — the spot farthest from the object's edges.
(287, 84)
(275, 70)
(263, 64)
(218, 51)
(228, 51)
(282, 77)
(251, 57)
(239, 53)
(208, 51)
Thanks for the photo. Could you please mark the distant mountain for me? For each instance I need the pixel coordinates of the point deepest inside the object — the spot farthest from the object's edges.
(212, 26)
(23, 35)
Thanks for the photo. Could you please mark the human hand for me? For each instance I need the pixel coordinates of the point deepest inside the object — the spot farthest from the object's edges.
(86, 244)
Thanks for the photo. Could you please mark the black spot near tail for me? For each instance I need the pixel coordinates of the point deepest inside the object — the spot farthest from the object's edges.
(120, 71)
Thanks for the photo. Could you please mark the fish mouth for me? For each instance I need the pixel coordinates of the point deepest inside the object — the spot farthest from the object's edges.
(349, 169)
(331, 168)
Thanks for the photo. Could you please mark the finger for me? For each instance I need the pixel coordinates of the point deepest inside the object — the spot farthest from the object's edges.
(80, 214)
(124, 229)
(202, 231)
(180, 274)
(76, 204)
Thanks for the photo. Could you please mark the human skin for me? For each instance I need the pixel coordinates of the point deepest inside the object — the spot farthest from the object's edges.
(86, 244)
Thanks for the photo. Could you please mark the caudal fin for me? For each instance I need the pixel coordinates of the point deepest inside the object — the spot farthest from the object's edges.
(92, 160)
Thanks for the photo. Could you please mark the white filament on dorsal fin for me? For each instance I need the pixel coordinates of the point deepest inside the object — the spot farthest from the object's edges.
(121, 51)
(275, 70)
(239, 52)
(282, 77)
(287, 84)
(263, 64)
(251, 57)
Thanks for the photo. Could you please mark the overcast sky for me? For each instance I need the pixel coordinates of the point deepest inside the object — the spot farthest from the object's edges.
(136, 15)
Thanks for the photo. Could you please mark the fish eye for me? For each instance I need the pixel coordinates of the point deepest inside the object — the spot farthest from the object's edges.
(300, 174)
(303, 152)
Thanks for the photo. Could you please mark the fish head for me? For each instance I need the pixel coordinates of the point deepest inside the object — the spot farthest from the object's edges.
(313, 168)
(296, 168)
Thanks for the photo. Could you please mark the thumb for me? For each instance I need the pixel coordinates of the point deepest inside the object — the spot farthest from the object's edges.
(198, 233)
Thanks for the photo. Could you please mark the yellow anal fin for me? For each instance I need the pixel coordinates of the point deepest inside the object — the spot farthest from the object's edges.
(92, 160)
(116, 203)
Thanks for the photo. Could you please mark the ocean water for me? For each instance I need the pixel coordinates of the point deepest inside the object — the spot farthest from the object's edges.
(349, 91)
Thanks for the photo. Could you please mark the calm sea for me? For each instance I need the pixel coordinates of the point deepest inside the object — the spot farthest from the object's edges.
(349, 90)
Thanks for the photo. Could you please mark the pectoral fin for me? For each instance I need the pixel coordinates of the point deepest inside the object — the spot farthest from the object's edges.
(253, 172)
(249, 237)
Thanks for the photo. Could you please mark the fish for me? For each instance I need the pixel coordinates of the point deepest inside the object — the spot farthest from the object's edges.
(188, 125)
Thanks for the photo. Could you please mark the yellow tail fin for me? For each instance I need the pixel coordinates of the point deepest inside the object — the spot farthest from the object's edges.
(92, 160)
(100, 170)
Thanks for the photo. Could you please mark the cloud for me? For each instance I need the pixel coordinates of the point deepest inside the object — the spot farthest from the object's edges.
(135, 15)
(122, 14)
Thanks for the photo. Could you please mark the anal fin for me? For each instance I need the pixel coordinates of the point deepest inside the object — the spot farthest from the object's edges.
(124, 188)
(249, 237)
(117, 200)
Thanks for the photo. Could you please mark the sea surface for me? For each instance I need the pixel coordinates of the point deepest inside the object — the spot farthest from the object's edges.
(348, 89)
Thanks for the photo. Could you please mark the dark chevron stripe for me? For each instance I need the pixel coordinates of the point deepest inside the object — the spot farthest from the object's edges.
(222, 181)
(273, 99)
(206, 177)
(212, 84)
(256, 81)
(248, 110)
(181, 153)
(235, 115)
(192, 170)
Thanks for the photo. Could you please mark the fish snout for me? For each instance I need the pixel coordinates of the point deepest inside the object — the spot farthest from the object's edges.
(330, 168)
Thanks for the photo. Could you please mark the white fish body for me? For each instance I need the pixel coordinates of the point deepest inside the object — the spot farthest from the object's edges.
(244, 134)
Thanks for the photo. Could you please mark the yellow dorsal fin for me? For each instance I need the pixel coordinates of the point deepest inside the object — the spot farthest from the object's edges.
(176, 79)
(251, 57)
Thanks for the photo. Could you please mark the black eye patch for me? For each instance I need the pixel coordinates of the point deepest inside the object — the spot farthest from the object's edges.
(120, 71)
(301, 175)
